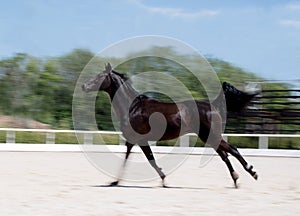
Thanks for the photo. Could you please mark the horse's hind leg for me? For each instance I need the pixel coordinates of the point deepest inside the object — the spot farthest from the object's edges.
(225, 158)
(233, 151)
(128, 150)
(149, 155)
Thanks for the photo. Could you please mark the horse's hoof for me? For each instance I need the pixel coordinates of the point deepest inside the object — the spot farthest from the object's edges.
(115, 183)
(235, 177)
(161, 174)
(255, 176)
(249, 168)
(236, 184)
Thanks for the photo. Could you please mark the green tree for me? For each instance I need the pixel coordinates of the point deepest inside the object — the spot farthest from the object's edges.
(69, 68)
(12, 83)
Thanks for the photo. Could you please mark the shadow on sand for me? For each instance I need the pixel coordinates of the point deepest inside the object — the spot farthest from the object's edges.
(149, 187)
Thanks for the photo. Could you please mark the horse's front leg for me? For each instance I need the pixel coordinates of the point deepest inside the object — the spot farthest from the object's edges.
(129, 147)
(149, 155)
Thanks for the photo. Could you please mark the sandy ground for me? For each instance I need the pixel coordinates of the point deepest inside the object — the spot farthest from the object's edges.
(49, 183)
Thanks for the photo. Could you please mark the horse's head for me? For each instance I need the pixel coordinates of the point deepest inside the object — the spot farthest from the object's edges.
(102, 81)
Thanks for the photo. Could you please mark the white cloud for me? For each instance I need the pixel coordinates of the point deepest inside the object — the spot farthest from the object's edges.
(290, 22)
(176, 12)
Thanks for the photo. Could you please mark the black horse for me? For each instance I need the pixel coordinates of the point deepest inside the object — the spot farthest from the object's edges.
(137, 112)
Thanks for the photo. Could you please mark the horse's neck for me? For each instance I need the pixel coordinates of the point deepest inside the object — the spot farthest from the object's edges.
(121, 97)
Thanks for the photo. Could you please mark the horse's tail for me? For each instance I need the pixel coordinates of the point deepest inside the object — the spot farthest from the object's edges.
(236, 100)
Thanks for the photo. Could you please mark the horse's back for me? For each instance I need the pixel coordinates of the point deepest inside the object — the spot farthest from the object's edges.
(183, 117)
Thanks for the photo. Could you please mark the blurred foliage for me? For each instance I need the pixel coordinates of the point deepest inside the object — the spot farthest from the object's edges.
(30, 137)
(42, 88)
(230, 73)
(284, 143)
(2, 136)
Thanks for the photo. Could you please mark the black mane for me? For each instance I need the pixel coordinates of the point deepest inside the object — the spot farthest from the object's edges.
(124, 77)
(123, 80)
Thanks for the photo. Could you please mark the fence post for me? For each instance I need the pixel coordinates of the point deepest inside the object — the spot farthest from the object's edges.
(225, 138)
(152, 143)
(184, 141)
(10, 137)
(50, 138)
(263, 142)
(121, 140)
(88, 138)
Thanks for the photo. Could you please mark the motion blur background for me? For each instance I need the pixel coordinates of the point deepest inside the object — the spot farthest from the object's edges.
(44, 46)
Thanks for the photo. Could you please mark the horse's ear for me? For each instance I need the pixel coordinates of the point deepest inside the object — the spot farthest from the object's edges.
(108, 68)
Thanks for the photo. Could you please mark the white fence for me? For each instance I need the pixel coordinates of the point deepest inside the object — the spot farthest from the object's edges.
(263, 139)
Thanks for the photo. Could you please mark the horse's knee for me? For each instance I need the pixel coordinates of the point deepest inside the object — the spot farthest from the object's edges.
(233, 147)
(153, 164)
(223, 155)
(234, 151)
(225, 159)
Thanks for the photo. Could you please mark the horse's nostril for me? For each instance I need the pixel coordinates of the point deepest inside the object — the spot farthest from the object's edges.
(83, 87)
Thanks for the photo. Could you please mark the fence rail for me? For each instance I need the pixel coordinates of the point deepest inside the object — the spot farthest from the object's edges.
(263, 139)
(272, 111)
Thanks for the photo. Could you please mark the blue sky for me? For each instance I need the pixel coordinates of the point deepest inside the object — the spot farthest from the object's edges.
(260, 36)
